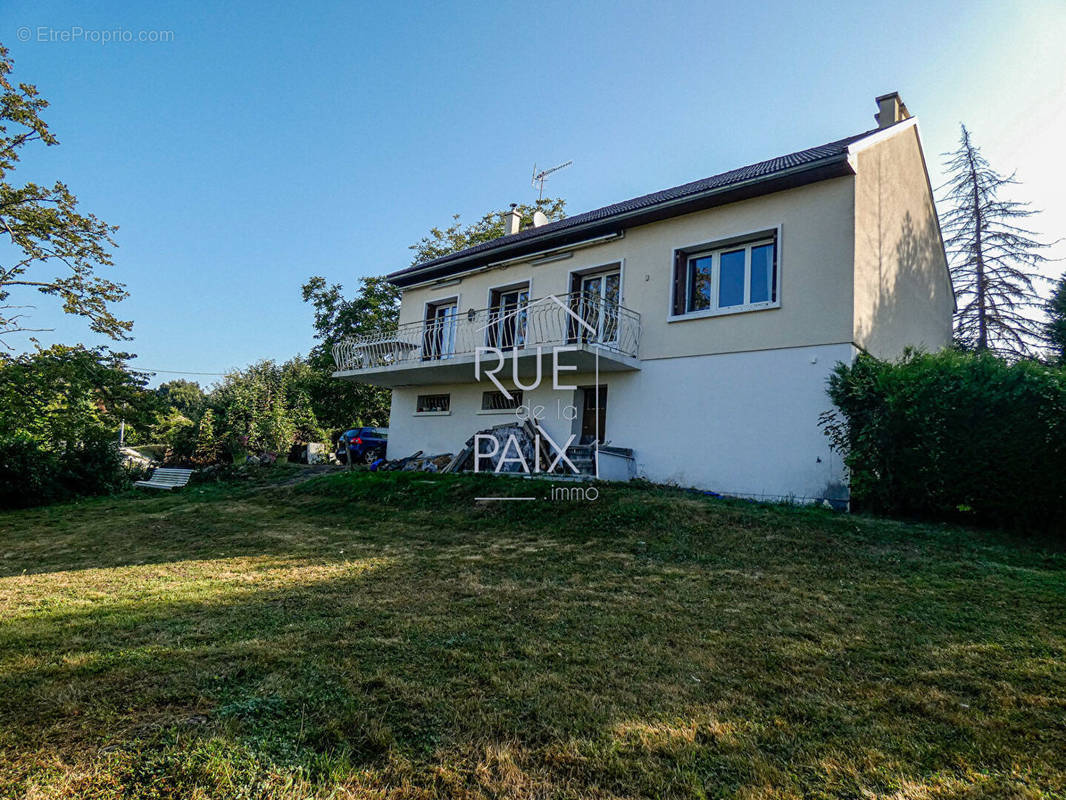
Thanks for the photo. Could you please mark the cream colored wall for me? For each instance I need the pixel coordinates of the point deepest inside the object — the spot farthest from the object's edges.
(815, 275)
(902, 291)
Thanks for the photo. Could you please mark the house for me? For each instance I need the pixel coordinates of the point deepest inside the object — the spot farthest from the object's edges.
(694, 328)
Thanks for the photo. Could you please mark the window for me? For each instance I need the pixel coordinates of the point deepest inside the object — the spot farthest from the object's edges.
(433, 404)
(597, 304)
(439, 337)
(497, 401)
(731, 276)
(508, 318)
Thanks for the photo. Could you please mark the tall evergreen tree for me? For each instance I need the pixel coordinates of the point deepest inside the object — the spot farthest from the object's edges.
(994, 261)
(1055, 328)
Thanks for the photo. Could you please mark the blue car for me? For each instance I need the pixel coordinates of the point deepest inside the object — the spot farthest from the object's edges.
(362, 445)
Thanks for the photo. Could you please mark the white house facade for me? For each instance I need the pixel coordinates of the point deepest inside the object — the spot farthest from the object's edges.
(694, 328)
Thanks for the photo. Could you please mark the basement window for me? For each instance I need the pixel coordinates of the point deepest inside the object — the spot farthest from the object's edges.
(726, 277)
(497, 401)
(434, 404)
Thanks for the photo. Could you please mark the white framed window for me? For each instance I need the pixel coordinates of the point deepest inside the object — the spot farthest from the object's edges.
(728, 277)
(442, 317)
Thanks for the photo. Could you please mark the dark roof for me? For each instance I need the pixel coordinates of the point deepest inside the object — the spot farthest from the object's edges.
(795, 169)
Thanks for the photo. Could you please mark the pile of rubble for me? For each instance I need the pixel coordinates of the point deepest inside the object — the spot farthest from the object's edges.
(523, 436)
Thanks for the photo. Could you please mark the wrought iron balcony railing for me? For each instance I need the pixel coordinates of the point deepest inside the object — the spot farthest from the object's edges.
(577, 318)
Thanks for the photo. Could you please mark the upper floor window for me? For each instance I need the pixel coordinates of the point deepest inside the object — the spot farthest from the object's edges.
(739, 275)
(507, 317)
(439, 335)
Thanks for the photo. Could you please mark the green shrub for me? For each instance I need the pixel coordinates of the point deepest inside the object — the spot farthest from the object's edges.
(28, 474)
(31, 475)
(953, 435)
(92, 468)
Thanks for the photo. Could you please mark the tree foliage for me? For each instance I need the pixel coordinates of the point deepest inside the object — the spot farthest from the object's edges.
(68, 394)
(375, 305)
(185, 396)
(457, 236)
(1055, 328)
(56, 249)
(263, 407)
(993, 260)
(206, 450)
(60, 411)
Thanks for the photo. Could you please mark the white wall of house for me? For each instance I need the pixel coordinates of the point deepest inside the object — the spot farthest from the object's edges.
(737, 423)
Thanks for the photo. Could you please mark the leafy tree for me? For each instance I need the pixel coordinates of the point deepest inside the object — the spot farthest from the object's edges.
(186, 396)
(1055, 328)
(376, 305)
(56, 249)
(440, 242)
(262, 408)
(69, 394)
(60, 411)
(277, 430)
(300, 381)
(993, 259)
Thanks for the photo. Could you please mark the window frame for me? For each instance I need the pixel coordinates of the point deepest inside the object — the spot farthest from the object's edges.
(577, 278)
(429, 310)
(444, 413)
(517, 394)
(495, 294)
(682, 271)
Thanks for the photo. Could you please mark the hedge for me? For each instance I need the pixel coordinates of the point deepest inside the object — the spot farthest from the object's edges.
(33, 475)
(953, 435)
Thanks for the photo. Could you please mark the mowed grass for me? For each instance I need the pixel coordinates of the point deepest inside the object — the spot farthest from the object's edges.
(364, 635)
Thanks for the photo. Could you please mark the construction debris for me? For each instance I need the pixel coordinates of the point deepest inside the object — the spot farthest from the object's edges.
(516, 442)
(429, 463)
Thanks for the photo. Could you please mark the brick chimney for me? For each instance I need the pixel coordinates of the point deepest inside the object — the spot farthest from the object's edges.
(512, 220)
(890, 110)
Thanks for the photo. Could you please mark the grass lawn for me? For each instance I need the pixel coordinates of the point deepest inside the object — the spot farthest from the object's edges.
(362, 635)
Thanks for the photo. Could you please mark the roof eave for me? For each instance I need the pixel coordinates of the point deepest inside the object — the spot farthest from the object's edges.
(833, 166)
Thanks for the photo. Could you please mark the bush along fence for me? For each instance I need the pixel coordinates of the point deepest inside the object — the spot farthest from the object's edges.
(953, 436)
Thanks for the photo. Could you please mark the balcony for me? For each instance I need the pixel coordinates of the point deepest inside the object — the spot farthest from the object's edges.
(442, 350)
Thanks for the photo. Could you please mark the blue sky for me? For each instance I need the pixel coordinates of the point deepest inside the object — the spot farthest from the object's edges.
(262, 145)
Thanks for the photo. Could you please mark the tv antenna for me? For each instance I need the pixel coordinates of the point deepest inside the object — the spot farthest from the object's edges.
(540, 177)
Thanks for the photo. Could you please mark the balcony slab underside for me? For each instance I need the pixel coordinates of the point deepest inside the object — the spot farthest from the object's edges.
(460, 368)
